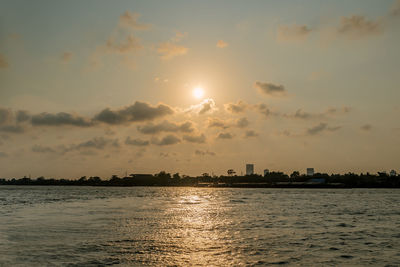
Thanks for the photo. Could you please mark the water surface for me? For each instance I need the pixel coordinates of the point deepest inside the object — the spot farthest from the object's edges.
(169, 226)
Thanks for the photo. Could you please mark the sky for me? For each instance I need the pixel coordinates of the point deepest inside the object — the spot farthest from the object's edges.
(101, 88)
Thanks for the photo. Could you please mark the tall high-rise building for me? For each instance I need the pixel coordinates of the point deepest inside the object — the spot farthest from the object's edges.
(249, 169)
(310, 171)
(266, 171)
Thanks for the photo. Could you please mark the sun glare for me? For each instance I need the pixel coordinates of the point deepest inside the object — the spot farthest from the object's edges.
(198, 92)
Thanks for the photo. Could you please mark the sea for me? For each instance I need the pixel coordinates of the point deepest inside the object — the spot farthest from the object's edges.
(189, 226)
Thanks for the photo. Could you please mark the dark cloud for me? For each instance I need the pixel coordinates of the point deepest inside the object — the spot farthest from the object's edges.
(200, 139)
(238, 107)
(356, 27)
(225, 136)
(321, 128)
(242, 122)
(42, 149)
(140, 111)
(217, 123)
(270, 88)
(136, 142)
(166, 140)
(166, 126)
(250, 133)
(292, 33)
(204, 153)
(59, 119)
(3, 62)
(366, 127)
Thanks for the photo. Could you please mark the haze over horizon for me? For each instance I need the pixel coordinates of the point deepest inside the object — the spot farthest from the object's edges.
(99, 87)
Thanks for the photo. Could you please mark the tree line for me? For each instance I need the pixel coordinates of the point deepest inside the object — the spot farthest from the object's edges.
(271, 179)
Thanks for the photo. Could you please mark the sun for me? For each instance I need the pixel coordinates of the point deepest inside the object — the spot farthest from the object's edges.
(198, 92)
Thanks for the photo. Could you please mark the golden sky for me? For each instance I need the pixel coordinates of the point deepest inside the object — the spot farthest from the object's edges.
(104, 87)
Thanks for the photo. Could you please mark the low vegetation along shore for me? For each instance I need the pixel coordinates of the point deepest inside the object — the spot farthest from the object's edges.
(270, 180)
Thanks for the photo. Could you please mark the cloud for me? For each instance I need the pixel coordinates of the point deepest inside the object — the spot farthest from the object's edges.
(42, 149)
(66, 57)
(292, 33)
(222, 44)
(136, 142)
(204, 153)
(238, 107)
(200, 139)
(3, 154)
(242, 122)
(166, 140)
(129, 44)
(3, 62)
(59, 119)
(356, 27)
(320, 128)
(166, 126)
(264, 110)
(217, 123)
(169, 50)
(366, 127)
(250, 133)
(330, 112)
(395, 11)
(270, 88)
(225, 136)
(96, 143)
(207, 106)
(129, 19)
(139, 111)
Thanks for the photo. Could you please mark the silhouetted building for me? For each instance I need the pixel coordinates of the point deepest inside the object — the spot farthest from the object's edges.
(249, 169)
(392, 173)
(310, 171)
(266, 171)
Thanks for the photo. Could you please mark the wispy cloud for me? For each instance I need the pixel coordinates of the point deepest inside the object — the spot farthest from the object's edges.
(238, 107)
(136, 142)
(321, 128)
(357, 26)
(270, 89)
(366, 127)
(204, 153)
(294, 32)
(166, 126)
(222, 44)
(129, 19)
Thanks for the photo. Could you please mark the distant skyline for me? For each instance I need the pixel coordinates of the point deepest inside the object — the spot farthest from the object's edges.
(103, 87)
